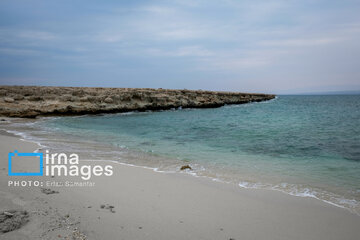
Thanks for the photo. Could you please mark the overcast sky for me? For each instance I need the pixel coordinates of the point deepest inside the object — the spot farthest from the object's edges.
(257, 46)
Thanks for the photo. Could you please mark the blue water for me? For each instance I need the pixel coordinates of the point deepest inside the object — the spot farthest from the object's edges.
(304, 145)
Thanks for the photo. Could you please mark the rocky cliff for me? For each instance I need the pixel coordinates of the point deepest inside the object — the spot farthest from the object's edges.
(28, 101)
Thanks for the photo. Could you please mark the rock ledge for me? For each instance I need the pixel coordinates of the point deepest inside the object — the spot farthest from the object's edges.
(31, 101)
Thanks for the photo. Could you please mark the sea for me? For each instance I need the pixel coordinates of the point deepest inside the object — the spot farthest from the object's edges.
(306, 146)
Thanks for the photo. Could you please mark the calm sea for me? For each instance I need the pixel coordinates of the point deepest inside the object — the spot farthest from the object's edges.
(302, 145)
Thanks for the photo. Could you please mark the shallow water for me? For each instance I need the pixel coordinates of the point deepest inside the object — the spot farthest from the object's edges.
(303, 145)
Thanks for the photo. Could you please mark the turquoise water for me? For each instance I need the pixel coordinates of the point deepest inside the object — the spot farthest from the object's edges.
(303, 145)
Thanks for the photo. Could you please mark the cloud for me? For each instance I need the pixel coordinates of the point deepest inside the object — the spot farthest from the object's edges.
(26, 34)
(158, 10)
(178, 33)
(236, 64)
(238, 60)
(37, 35)
(300, 42)
(19, 52)
(109, 37)
(186, 51)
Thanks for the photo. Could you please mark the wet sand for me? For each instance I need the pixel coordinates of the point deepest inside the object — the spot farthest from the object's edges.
(138, 203)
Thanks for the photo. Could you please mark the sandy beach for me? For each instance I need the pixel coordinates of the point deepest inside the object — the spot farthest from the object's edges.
(138, 203)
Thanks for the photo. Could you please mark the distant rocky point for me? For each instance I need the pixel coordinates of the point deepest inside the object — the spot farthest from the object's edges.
(30, 101)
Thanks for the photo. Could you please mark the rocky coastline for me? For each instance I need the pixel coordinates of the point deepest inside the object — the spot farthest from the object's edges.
(33, 101)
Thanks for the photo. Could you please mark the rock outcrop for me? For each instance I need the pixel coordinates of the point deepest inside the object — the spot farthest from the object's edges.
(185, 167)
(29, 101)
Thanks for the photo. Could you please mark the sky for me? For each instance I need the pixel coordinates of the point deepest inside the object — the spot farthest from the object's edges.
(269, 46)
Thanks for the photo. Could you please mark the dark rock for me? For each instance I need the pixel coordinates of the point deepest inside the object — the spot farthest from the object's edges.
(107, 206)
(48, 191)
(12, 220)
(185, 167)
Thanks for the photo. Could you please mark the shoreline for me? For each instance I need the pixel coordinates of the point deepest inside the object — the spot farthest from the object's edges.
(304, 192)
(191, 200)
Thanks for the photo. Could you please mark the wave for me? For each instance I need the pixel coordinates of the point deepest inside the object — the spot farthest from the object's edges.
(303, 191)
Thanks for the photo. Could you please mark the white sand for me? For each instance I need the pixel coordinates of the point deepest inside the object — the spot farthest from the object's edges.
(150, 205)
